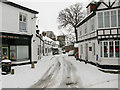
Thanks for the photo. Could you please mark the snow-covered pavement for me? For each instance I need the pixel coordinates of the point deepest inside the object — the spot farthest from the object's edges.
(59, 71)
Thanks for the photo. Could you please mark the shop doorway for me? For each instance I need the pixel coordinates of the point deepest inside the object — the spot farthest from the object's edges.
(5, 53)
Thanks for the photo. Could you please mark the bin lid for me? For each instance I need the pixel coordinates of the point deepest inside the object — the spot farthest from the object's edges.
(6, 61)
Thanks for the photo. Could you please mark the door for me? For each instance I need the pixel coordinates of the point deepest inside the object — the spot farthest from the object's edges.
(5, 53)
(86, 51)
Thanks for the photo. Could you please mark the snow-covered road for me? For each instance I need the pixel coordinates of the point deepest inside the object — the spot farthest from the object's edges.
(61, 74)
(59, 71)
(65, 73)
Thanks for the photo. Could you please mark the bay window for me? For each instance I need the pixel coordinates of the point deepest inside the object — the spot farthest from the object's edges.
(108, 19)
(110, 49)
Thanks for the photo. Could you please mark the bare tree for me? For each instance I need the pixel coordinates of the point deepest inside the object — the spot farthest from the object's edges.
(71, 16)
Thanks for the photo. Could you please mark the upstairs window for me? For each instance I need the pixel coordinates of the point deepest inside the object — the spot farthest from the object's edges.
(118, 17)
(100, 20)
(22, 22)
(92, 25)
(107, 19)
(85, 28)
(113, 19)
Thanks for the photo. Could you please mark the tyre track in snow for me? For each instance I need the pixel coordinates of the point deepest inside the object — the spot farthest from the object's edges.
(69, 78)
(60, 75)
(48, 78)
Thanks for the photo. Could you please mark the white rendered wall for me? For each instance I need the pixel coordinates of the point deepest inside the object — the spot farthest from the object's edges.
(0, 16)
(10, 24)
(11, 20)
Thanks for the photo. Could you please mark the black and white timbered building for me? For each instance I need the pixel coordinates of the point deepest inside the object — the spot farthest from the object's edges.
(99, 33)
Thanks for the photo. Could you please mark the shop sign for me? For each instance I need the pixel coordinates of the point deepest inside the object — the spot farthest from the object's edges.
(8, 36)
(13, 37)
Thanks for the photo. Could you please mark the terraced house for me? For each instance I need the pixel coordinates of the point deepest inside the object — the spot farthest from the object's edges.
(18, 33)
(99, 33)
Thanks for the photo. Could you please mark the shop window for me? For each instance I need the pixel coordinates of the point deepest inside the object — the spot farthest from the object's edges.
(22, 52)
(117, 49)
(107, 19)
(13, 52)
(22, 22)
(105, 49)
(111, 49)
(113, 19)
(100, 20)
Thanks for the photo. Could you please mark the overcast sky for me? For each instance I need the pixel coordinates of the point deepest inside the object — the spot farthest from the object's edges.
(48, 11)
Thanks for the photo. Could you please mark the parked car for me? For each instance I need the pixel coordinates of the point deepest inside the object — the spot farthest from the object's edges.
(71, 53)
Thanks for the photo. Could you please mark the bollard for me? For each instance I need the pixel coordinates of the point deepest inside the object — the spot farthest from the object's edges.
(12, 71)
(32, 65)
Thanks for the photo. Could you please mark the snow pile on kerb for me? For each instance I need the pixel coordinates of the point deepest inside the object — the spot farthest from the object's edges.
(91, 77)
(25, 76)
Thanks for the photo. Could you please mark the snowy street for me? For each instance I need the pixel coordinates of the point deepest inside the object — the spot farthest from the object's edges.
(61, 74)
(59, 71)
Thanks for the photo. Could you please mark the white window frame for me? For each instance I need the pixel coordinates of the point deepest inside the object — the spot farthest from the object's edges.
(23, 14)
(114, 57)
(110, 19)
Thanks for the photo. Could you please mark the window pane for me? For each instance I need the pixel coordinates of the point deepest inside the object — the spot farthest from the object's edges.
(23, 52)
(24, 26)
(113, 19)
(100, 20)
(20, 17)
(85, 28)
(93, 48)
(24, 18)
(117, 49)
(118, 17)
(13, 52)
(105, 49)
(107, 19)
(92, 25)
(111, 50)
(22, 22)
(20, 26)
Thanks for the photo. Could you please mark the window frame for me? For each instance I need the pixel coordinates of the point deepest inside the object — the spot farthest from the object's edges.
(23, 26)
(108, 51)
(116, 10)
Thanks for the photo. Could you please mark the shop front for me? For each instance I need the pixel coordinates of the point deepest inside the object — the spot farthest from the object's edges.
(15, 47)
